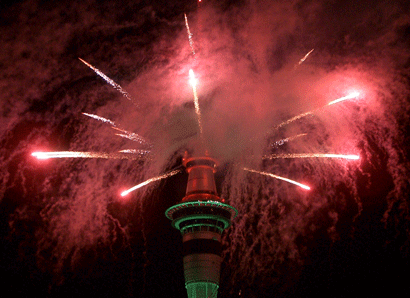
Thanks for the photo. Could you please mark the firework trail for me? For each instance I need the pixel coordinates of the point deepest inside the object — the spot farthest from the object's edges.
(166, 175)
(191, 41)
(283, 141)
(349, 96)
(131, 136)
(297, 117)
(312, 155)
(134, 151)
(278, 177)
(294, 119)
(100, 119)
(304, 58)
(193, 81)
(80, 154)
(125, 134)
(108, 80)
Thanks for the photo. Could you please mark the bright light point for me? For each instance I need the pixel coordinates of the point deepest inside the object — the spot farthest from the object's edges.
(352, 95)
(192, 80)
(40, 155)
(124, 193)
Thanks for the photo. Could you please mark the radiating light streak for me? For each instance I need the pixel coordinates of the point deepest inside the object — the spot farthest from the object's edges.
(108, 80)
(278, 177)
(191, 41)
(169, 174)
(294, 119)
(193, 81)
(125, 134)
(100, 119)
(131, 136)
(80, 154)
(304, 58)
(135, 151)
(312, 155)
(283, 141)
(349, 96)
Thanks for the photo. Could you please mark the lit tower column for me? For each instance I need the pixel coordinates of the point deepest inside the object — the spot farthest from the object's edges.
(201, 217)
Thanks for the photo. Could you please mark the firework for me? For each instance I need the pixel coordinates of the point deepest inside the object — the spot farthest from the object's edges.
(278, 177)
(283, 141)
(312, 155)
(193, 81)
(169, 174)
(134, 151)
(131, 136)
(100, 119)
(349, 96)
(108, 80)
(305, 57)
(81, 154)
(191, 41)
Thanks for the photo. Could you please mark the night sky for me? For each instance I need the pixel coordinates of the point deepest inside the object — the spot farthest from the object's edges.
(65, 229)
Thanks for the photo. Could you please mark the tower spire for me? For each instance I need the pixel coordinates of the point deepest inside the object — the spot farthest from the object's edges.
(201, 218)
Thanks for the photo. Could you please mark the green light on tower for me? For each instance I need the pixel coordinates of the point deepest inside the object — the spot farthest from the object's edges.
(201, 218)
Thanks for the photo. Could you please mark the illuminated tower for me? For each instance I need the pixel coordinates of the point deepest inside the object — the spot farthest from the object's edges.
(201, 217)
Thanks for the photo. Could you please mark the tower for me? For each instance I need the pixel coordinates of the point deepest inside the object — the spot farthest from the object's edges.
(201, 218)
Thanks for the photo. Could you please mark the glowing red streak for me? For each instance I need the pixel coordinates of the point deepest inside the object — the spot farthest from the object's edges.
(124, 193)
(77, 154)
(279, 177)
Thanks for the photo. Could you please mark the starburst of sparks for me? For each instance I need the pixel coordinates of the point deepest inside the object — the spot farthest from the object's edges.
(137, 154)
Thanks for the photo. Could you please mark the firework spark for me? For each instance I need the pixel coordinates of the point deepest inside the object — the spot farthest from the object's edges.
(166, 175)
(352, 95)
(100, 119)
(193, 81)
(278, 177)
(134, 151)
(283, 141)
(131, 136)
(191, 41)
(108, 80)
(81, 154)
(312, 155)
(305, 57)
